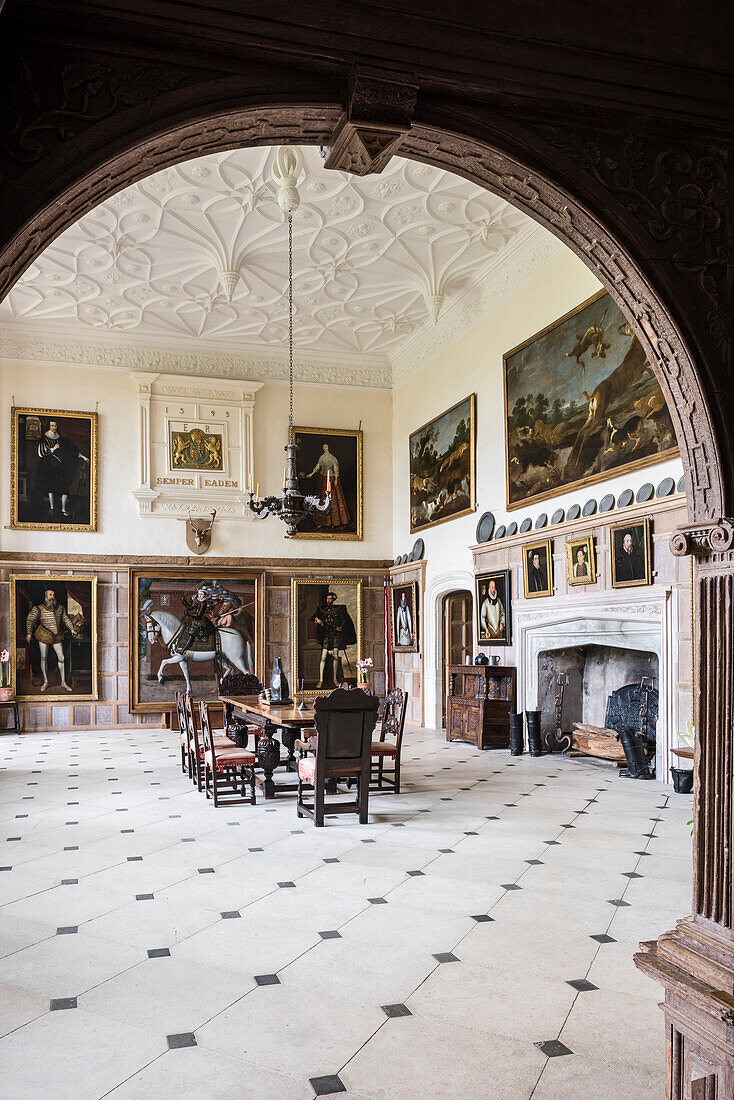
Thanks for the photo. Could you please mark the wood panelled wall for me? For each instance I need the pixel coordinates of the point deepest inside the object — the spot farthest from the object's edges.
(408, 667)
(111, 708)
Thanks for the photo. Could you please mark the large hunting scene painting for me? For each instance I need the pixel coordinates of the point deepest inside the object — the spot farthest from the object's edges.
(581, 404)
(442, 474)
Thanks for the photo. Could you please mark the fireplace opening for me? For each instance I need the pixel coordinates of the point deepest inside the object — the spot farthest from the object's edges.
(594, 672)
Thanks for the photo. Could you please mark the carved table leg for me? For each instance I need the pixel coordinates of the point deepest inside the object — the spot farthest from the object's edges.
(268, 758)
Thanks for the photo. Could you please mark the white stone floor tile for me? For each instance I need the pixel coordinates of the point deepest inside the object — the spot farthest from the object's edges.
(474, 1022)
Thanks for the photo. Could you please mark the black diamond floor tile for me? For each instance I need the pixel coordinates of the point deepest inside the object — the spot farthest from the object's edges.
(482, 918)
(326, 1086)
(330, 934)
(67, 930)
(446, 957)
(602, 937)
(582, 985)
(183, 1039)
(415, 874)
(158, 953)
(394, 1012)
(377, 901)
(267, 979)
(58, 1004)
(553, 1048)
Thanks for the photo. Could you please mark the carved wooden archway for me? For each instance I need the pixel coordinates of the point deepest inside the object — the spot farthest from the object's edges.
(653, 236)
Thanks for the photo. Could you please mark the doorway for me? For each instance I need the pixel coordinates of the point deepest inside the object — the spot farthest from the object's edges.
(457, 620)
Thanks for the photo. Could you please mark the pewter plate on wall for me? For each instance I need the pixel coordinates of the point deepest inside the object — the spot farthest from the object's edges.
(485, 527)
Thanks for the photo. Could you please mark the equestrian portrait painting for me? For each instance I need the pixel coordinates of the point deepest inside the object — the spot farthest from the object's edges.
(327, 634)
(53, 625)
(581, 404)
(442, 467)
(330, 459)
(53, 470)
(190, 627)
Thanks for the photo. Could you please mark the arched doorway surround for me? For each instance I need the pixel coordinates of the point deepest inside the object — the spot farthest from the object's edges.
(653, 228)
(436, 592)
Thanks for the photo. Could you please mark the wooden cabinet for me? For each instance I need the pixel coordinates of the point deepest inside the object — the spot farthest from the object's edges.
(480, 700)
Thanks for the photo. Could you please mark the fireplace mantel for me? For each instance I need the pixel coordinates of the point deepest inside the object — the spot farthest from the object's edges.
(647, 623)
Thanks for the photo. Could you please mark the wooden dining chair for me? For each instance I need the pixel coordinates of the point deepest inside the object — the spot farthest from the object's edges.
(226, 769)
(390, 744)
(196, 743)
(183, 730)
(341, 750)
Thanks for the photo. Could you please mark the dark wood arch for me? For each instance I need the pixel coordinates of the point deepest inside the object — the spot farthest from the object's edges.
(647, 212)
(515, 164)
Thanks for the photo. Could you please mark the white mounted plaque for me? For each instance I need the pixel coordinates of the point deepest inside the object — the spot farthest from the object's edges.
(196, 445)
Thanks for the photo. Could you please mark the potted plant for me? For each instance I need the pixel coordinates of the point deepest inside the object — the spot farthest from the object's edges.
(364, 671)
(6, 691)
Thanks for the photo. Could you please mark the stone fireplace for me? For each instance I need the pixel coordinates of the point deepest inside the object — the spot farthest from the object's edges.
(604, 644)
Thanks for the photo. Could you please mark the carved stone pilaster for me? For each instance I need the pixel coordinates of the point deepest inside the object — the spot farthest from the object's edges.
(377, 117)
(695, 962)
(702, 539)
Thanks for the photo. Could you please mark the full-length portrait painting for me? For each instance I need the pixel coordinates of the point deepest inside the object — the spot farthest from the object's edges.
(188, 628)
(53, 470)
(404, 617)
(581, 403)
(494, 607)
(327, 634)
(54, 636)
(442, 470)
(330, 457)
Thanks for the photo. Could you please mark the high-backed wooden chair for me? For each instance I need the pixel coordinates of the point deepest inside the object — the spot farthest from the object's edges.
(235, 727)
(226, 770)
(341, 750)
(390, 744)
(183, 730)
(196, 742)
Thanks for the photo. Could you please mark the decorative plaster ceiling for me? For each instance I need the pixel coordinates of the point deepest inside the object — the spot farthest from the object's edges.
(197, 254)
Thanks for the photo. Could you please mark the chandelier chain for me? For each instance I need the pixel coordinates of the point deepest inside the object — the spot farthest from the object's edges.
(290, 317)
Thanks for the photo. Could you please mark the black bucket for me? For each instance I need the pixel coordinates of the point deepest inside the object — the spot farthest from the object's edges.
(682, 780)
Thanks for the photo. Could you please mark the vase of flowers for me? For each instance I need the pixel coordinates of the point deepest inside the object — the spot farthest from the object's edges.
(6, 691)
(364, 671)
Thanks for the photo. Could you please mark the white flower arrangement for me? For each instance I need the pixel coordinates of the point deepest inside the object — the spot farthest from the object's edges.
(689, 737)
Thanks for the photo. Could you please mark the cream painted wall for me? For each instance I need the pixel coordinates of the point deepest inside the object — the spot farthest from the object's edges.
(474, 365)
(122, 531)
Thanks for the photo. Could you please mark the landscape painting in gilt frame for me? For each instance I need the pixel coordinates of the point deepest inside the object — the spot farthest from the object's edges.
(442, 467)
(187, 628)
(581, 404)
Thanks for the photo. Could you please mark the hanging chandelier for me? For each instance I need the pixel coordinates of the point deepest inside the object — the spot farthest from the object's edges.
(292, 507)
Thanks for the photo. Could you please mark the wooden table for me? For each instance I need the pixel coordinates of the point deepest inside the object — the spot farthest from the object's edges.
(286, 718)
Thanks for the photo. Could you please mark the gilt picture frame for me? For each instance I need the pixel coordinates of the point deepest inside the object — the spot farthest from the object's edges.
(176, 642)
(404, 625)
(494, 621)
(62, 648)
(580, 560)
(442, 466)
(537, 569)
(53, 470)
(326, 634)
(582, 404)
(630, 546)
(336, 454)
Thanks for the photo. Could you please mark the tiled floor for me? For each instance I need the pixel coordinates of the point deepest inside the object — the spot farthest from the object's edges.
(473, 941)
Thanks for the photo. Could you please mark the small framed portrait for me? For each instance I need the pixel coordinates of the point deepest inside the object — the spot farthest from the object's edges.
(330, 458)
(494, 607)
(404, 617)
(537, 569)
(580, 563)
(326, 618)
(53, 470)
(53, 624)
(629, 557)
